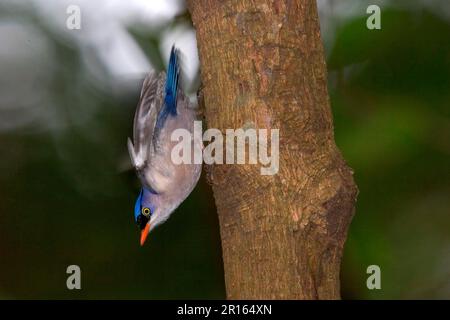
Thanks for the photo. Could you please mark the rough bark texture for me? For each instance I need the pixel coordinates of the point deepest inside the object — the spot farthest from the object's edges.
(262, 66)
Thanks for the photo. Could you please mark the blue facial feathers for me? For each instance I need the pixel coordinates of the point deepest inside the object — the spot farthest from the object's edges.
(138, 205)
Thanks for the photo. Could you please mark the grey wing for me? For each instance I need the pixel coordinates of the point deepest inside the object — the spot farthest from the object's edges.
(149, 106)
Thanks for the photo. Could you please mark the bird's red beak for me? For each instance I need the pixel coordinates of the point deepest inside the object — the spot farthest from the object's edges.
(144, 233)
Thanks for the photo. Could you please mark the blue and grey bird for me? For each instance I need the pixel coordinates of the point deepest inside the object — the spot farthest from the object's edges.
(162, 108)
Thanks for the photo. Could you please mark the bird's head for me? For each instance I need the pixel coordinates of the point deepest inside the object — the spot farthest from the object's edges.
(144, 210)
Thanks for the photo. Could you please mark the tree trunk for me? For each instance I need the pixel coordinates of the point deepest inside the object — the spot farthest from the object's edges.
(262, 66)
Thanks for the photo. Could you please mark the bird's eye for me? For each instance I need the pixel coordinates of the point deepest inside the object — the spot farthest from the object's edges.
(146, 211)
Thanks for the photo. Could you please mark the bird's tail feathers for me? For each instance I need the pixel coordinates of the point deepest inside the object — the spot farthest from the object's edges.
(173, 73)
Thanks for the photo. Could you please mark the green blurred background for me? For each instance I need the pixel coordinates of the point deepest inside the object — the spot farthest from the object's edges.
(67, 99)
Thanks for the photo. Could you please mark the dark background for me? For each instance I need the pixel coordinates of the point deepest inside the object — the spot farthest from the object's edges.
(67, 192)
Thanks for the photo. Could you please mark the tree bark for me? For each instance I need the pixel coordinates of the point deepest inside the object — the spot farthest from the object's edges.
(262, 66)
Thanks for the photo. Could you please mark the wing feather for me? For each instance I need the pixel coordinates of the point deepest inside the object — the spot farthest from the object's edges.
(149, 106)
(157, 101)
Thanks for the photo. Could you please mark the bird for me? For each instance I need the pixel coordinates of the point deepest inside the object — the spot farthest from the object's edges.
(162, 108)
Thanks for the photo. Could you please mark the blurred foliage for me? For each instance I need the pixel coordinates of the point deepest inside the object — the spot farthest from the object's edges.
(66, 196)
(390, 98)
